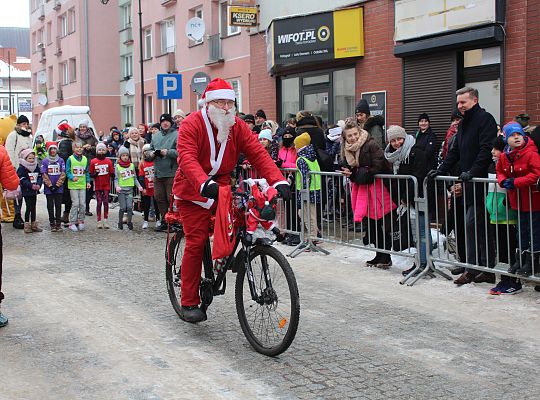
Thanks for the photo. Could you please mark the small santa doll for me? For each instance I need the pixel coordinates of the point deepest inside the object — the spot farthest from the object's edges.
(261, 208)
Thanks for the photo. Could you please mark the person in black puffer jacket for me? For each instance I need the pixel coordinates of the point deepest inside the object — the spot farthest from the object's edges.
(425, 139)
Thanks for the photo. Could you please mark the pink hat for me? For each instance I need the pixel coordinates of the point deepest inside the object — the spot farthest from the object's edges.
(218, 89)
(25, 153)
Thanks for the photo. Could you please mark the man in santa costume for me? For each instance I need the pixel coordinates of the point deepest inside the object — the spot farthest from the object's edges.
(209, 144)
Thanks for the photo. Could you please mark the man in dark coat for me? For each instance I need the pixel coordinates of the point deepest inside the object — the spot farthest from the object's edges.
(471, 152)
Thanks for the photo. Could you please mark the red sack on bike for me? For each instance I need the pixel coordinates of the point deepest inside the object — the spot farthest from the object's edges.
(224, 236)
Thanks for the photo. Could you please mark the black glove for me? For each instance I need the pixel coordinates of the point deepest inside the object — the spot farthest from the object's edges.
(433, 174)
(210, 190)
(465, 176)
(157, 153)
(53, 188)
(284, 191)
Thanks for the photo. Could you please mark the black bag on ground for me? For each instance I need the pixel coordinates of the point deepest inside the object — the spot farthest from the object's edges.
(402, 235)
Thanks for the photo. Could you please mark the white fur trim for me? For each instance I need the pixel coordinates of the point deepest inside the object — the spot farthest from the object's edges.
(220, 94)
(280, 183)
(204, 204)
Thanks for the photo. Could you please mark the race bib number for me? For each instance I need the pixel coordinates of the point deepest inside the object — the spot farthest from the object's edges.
(102, 169)
(33, 177)
(127, 173)
(149, 173)
(53, 169)
(78, 171)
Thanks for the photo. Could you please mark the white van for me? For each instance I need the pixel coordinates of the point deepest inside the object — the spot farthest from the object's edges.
(51, 118)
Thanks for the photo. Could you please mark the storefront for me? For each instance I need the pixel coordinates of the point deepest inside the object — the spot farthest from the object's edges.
(313, 60)
(444, 48)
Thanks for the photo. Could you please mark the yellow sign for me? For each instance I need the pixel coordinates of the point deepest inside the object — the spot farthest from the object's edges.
(243, 16)
(349, 33)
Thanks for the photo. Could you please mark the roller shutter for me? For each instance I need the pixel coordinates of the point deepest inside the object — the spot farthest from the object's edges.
(430, 86)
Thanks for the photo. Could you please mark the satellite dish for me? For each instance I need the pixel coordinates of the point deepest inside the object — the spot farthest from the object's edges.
(195, 29)
(130, 87)
(199, 82)
(42, 100)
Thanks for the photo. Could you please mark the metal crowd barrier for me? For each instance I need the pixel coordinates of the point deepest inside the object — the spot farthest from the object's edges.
(482, 233)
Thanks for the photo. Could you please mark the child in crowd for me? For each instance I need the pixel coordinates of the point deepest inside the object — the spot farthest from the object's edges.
(518, 171)
(30, 181)
(146, 177)
(505, 220)
(53, 170)
(101, 170)
(307, 162)
(40, 149)
(265, 138)
(124, 181)
(77, 171)
(362, 159)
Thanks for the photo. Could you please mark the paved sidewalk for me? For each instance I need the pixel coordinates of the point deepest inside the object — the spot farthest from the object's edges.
(90, 319)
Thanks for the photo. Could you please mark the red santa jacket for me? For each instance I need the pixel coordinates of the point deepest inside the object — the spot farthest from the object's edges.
(201, 156)
(524, 166)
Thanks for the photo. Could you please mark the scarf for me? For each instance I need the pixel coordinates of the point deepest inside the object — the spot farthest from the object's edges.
(396, 157)
(53, 159)
(29, 166)
(352, 150)
(89, 133)
(124, 164)
(23, 132)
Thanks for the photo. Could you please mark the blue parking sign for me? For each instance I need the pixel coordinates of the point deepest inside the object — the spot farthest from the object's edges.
(169, 86)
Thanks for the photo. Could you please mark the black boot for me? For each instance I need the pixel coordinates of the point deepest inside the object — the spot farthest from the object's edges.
(372, 263)
(18, 222)
(526, 267)
(192, 314)
(384, 262)
(520, 258)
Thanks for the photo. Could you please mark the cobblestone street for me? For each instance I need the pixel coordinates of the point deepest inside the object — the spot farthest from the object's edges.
(90, 319)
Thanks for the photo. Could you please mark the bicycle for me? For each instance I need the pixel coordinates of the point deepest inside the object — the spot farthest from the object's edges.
(268, 306)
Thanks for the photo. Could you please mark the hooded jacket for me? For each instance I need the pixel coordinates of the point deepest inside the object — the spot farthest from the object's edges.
(523, 165)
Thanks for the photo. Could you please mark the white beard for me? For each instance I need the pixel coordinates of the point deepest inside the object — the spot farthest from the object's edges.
(223, 121)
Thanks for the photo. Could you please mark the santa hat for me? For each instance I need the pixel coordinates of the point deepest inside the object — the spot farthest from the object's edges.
(63, 127)
(48, 145)
(218, 89)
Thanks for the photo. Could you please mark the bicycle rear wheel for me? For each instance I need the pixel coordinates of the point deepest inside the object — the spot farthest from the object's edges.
(173, 263)
(271, 322)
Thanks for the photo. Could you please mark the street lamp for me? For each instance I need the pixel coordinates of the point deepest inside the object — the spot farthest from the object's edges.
(143, 108)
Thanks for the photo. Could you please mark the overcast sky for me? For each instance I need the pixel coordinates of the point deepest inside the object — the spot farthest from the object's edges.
(15, 13)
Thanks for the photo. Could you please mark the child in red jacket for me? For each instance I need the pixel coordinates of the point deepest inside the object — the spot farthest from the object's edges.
(518, 171)
(146, 178)
(101, 170)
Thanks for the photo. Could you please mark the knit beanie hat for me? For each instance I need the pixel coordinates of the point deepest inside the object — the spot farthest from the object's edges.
(302, 140)
(395, 132)
(22, 119)
(260, 114)
(25, 153)
(522, 119)
(265, 134)
(249, 118)
(423, 116)
(123, 150)
(101, 146)
(362, 107)
(498, 143)
(510, 128)
(165, 117)
(180, 113)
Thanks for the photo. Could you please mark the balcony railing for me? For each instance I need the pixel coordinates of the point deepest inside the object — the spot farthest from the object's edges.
(214, 49)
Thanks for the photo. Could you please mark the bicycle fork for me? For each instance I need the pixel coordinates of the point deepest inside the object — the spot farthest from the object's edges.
(263, 297)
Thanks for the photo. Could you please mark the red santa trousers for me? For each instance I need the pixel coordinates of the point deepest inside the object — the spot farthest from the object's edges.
(196, 223)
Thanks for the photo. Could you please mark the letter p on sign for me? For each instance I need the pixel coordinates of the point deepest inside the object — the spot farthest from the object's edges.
(169, 86)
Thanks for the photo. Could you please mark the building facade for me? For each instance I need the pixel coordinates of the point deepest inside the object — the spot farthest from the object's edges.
(15, 85)
(73, 59)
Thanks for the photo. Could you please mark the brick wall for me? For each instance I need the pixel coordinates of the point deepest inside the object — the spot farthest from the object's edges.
(262, 87)
(533, 61)
(379, 69)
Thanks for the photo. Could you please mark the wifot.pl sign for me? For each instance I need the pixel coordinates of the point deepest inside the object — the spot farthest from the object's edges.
(243, 16)
(316, 37)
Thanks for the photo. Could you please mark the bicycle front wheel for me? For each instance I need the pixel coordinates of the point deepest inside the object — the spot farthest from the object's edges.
(270, 322)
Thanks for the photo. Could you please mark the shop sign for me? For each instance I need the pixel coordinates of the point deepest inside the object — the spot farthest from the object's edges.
(25, 106)
(377, 103)
(317, 37)
(243, 16)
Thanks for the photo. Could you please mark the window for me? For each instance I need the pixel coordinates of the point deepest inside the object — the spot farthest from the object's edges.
(40, 41)
(167, 36)
(50, 77)
(127, 114)
(344, 84)
(198, 12)
(126, 15)
(127, 66)
(4, 104)
(64, 71)
(71, 20)
(62, 25)
(147, 43)
(49, 32)
(235, 83)
(148, 101)
(72, 70)
(224, 28)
